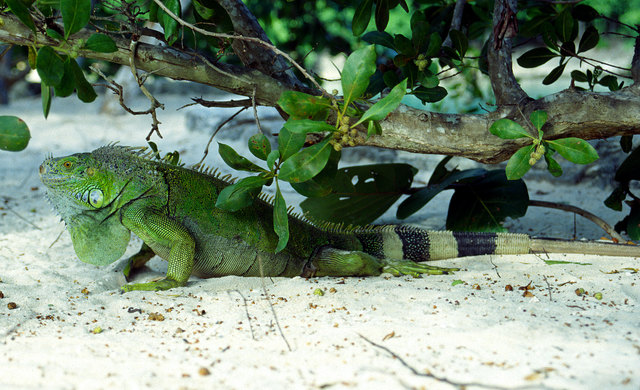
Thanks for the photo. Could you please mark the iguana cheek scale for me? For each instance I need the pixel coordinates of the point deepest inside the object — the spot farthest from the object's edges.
(105, 195)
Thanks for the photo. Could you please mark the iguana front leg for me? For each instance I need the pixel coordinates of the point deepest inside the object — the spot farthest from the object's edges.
(328, 261)
(138, 260)
(169, 239)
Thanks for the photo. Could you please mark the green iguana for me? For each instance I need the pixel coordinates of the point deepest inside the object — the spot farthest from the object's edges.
(105, 195)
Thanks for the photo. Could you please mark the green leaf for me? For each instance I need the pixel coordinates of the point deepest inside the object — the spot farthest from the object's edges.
(459, 41)
(630, 167)
(306, 163)
(289, 143)
(259, 146)
(435, 43)
(85, 91)
(579, 76)
(50, 66)
(241, 194)
(304, 106)
(68, 82)
(508, 129)
(358, 68)
(633, 223)
(420, 198)
(384, 106)
(379, 38)
(536, 57)
(361, 194)
(75, 15)
(483, 204)
(272, 157)
(101, 43)
(564, 26)
(321, 184)
(373, 128)
(403, 45)
(304, 126)
(518, 165)
(14, 133)
(361, 17)
(615, 199)
(280, 219)
(382, 14)
(552, 165)
(45, 95)
(19, 8)
(554, 75)
(589, 39)
(575, 150)
(584, 13)
(538, 118)
(420, 35)
(236, 161)
(626, 143)
(169, 24)
(430, 95)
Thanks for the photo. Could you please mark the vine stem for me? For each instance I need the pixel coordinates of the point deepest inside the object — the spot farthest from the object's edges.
(591, 217)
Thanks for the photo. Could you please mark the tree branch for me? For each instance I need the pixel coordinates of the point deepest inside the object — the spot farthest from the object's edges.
(163, 61)
(456, 20)
(505, 87)
(572, 113)
(252, 55)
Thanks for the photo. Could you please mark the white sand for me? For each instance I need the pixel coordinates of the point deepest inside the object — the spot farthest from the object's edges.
(451, 334)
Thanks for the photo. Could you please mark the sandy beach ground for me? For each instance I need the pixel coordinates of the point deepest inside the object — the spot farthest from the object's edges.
(501, 322)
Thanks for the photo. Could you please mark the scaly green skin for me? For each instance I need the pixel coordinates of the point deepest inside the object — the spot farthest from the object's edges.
(105, 195)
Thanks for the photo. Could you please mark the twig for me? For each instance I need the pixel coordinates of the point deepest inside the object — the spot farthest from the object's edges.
(255, 110)
(206, 149)
(118, 90)
(246, 310)
(57, 238)
(248, 39)
(273, 311)
(456, 20)
(6, 207)
(591, 217)
(154, 102)
(548, 286)
(225, 104)
(458, 385)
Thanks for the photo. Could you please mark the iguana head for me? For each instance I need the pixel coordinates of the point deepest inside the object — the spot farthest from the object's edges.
(87, 193)
(76, 183)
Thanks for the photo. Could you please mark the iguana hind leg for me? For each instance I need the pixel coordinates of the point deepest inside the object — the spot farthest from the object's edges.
(327, 261)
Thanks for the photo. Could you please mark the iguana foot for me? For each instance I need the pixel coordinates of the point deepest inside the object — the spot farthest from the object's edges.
(137, 261)
(407, 267)
(164, 284)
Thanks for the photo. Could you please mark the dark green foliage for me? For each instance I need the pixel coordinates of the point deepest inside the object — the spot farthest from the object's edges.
(484, 203)
(361, 194)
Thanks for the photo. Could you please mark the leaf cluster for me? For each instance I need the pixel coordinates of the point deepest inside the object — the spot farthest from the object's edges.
(572, 149)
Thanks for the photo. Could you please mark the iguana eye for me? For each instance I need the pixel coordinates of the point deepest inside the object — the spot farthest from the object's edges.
(67, 164)
(95, 198)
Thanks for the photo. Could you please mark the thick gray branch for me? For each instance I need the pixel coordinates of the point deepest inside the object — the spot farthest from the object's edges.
(162, 61)
(582, 114)
(505, 87)
(456, 20)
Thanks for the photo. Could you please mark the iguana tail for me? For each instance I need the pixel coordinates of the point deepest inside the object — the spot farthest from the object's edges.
(549, 245)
